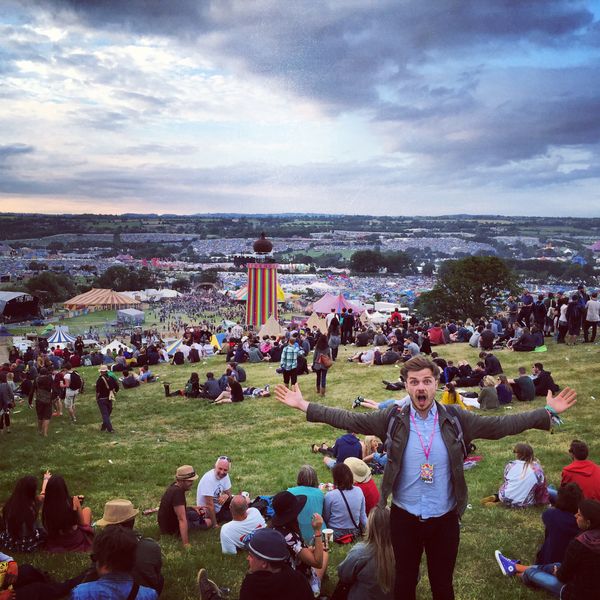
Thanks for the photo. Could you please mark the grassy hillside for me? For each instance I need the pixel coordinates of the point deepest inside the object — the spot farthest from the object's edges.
(268, 443)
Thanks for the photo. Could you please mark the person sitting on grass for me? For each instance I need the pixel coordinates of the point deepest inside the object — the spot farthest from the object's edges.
(346, 445)
(560, 524)
(524, 481)
(67, 523)
(312, 561)
(504, 390)
(190, 390)
(174, 516)
(129, 380)
(369, 567)
(244, 522)
(307, 484)
(270, 576)
(114, 552)
(146, 375)
(488, 396)
(361, 472)
(233, 393)
(344, 509)
(148, 559)
(578, 575)
(451, 396)
(19, 515)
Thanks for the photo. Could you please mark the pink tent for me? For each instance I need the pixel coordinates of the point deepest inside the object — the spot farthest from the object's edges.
(329, 301)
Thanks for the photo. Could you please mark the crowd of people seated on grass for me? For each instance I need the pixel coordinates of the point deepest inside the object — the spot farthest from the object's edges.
(304, 520)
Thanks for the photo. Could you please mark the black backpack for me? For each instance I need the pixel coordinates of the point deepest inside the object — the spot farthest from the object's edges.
(75, 382)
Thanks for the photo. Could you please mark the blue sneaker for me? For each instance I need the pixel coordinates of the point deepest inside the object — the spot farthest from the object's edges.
(507, 566)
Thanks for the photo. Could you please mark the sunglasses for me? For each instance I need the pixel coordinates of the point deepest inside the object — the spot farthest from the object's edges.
(225, 458)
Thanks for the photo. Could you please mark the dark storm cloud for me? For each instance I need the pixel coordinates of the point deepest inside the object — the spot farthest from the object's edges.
(372, 57)
(9, 150)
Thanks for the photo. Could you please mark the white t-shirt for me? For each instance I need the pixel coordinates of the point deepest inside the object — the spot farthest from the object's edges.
(593, 310)
(234, 533)
(210, 486)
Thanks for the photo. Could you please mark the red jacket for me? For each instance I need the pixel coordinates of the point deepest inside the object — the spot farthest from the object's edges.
(436, 336)
(586, 474)
(369, 489)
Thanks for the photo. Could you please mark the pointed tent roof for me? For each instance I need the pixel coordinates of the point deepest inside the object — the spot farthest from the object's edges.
(115, 345)
(61, 336)
(103, 298)
(329, 301)
(315, 320)
(270, 327)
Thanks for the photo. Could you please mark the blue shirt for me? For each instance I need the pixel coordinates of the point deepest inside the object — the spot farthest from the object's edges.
(110, 586)
(314, 504)
(422, 499)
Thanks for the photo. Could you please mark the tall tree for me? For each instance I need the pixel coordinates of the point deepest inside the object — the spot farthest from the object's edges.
(51, 287)
(465, 287)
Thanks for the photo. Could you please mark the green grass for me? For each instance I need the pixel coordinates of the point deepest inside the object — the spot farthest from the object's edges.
(268, 443)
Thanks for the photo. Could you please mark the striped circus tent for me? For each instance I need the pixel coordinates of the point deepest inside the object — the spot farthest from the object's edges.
(101, 299)
(60, 337)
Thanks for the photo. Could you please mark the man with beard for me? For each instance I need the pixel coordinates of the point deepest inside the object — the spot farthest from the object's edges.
(426, 444)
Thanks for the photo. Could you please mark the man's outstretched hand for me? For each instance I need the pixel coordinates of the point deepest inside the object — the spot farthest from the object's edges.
(562, 401)
(292, 398)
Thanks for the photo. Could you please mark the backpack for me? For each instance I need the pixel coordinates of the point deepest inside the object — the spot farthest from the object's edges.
(454, 419)
(75, 381)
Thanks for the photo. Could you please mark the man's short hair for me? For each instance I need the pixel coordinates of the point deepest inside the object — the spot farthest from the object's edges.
(579, 450)
(114, 548)
(522, 370)
(238, 506)
(539, 366)
(417, 364)
(568, 498)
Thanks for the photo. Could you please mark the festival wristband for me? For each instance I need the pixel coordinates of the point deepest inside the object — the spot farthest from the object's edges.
(554, 418)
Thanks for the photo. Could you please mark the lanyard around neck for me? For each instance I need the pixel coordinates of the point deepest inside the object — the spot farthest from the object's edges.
(426, 450)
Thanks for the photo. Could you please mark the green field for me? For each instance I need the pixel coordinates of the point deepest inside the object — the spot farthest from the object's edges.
(268, 443)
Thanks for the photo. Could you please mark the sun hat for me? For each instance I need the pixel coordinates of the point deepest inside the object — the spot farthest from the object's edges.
(360, 469)
(102, 369)
(287, 507)
(186, 473)
(268, 544)
(117, 511)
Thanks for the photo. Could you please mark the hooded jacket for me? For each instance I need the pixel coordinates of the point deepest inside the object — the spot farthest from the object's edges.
(586, 474)
(544, 383)
(346, 446)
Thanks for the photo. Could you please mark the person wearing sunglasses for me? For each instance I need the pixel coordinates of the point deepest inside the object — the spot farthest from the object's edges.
(214, 491)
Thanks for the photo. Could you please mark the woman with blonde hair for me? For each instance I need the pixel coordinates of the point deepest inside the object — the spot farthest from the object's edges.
(369, 568)
(524, 481)
(488, 396)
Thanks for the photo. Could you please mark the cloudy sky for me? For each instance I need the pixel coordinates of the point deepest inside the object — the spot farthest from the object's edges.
(328, 106)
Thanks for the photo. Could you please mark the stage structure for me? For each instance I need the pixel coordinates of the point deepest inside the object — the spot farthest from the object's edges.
(262, 284)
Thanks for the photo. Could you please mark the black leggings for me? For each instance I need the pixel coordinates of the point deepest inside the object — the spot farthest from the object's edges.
(4, 420)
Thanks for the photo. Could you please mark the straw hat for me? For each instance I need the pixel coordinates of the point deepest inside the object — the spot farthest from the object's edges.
(186, 473)
(117, 511)
(360, 469)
